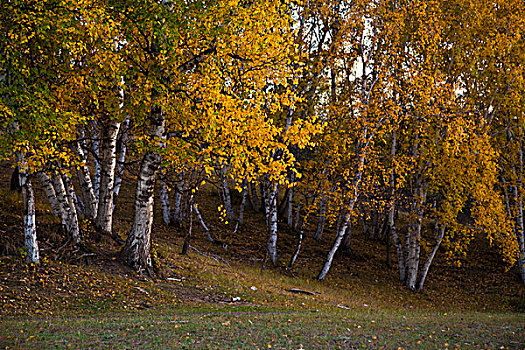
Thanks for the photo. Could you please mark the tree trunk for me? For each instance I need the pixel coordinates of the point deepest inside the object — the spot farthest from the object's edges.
(31, 243)
(136, 252)
(96, 152)
(122, 158)
(203, 224)
(50, 194)
(30, 240)
(104, 219)
(70, 193)
(346, 219)
(335, 246)
(187, 238)
(226, 197)
(322, 218)
(254, 198)
(178, 202)
(412, 242)
(347, 246)
(165, 202)
(86, 185)
(69, 219)
(271, 220)
(426, 267)
(244, 195)
(297, 248)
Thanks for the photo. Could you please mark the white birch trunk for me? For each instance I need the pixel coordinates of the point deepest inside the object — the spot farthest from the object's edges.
(203, 224)
(244, 194)
(104, 219)
(346, 218)
(47, 184)
(86, 185)
(69, 221)
(289, 214)
(225, 190)
(177, 204)
(136, 252)
(271, 221)
(122, 158)
(426, 267)
(520, 228)
(30, 239)
(96, 151)
(73, 215)
(337, 243)
(412, 242)
(165, 202)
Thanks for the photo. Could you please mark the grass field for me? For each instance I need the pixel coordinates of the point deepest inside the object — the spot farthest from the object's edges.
(251, 328)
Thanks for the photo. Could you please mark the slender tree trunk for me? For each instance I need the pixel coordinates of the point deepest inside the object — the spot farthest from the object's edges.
(70, 193)
(96, 151)
(187, 238)
(346, 219)
(322, 218)
(347, 242)
(178, 202)
(254, 198)
(203, 224)
(289, 216)
(136, 252)
(426, 267)
(226, 197)
(86, 185)
(271, 220)
(520, 224)
(297, 216)
(335, 245)
(165, 202)
(104, 219)
(122, 158)
(297, 248)
(242, 206)
(50, 194)
(69, 220)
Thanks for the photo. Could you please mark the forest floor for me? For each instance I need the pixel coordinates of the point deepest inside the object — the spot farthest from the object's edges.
(218, 296)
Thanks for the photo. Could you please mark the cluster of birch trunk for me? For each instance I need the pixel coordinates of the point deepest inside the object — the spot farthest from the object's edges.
(417, 138)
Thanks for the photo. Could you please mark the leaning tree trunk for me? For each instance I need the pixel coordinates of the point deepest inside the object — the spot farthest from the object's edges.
(70, 193)
(424, 271)
(50, 194)
(104, 219)
(136, 252)
(346, 218)
(86, 185)
(69, 218)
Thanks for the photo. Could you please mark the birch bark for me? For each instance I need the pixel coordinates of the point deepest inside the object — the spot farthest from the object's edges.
(104, 218)
(136, 252)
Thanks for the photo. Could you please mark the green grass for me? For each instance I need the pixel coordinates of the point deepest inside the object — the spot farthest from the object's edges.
(279, 329)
